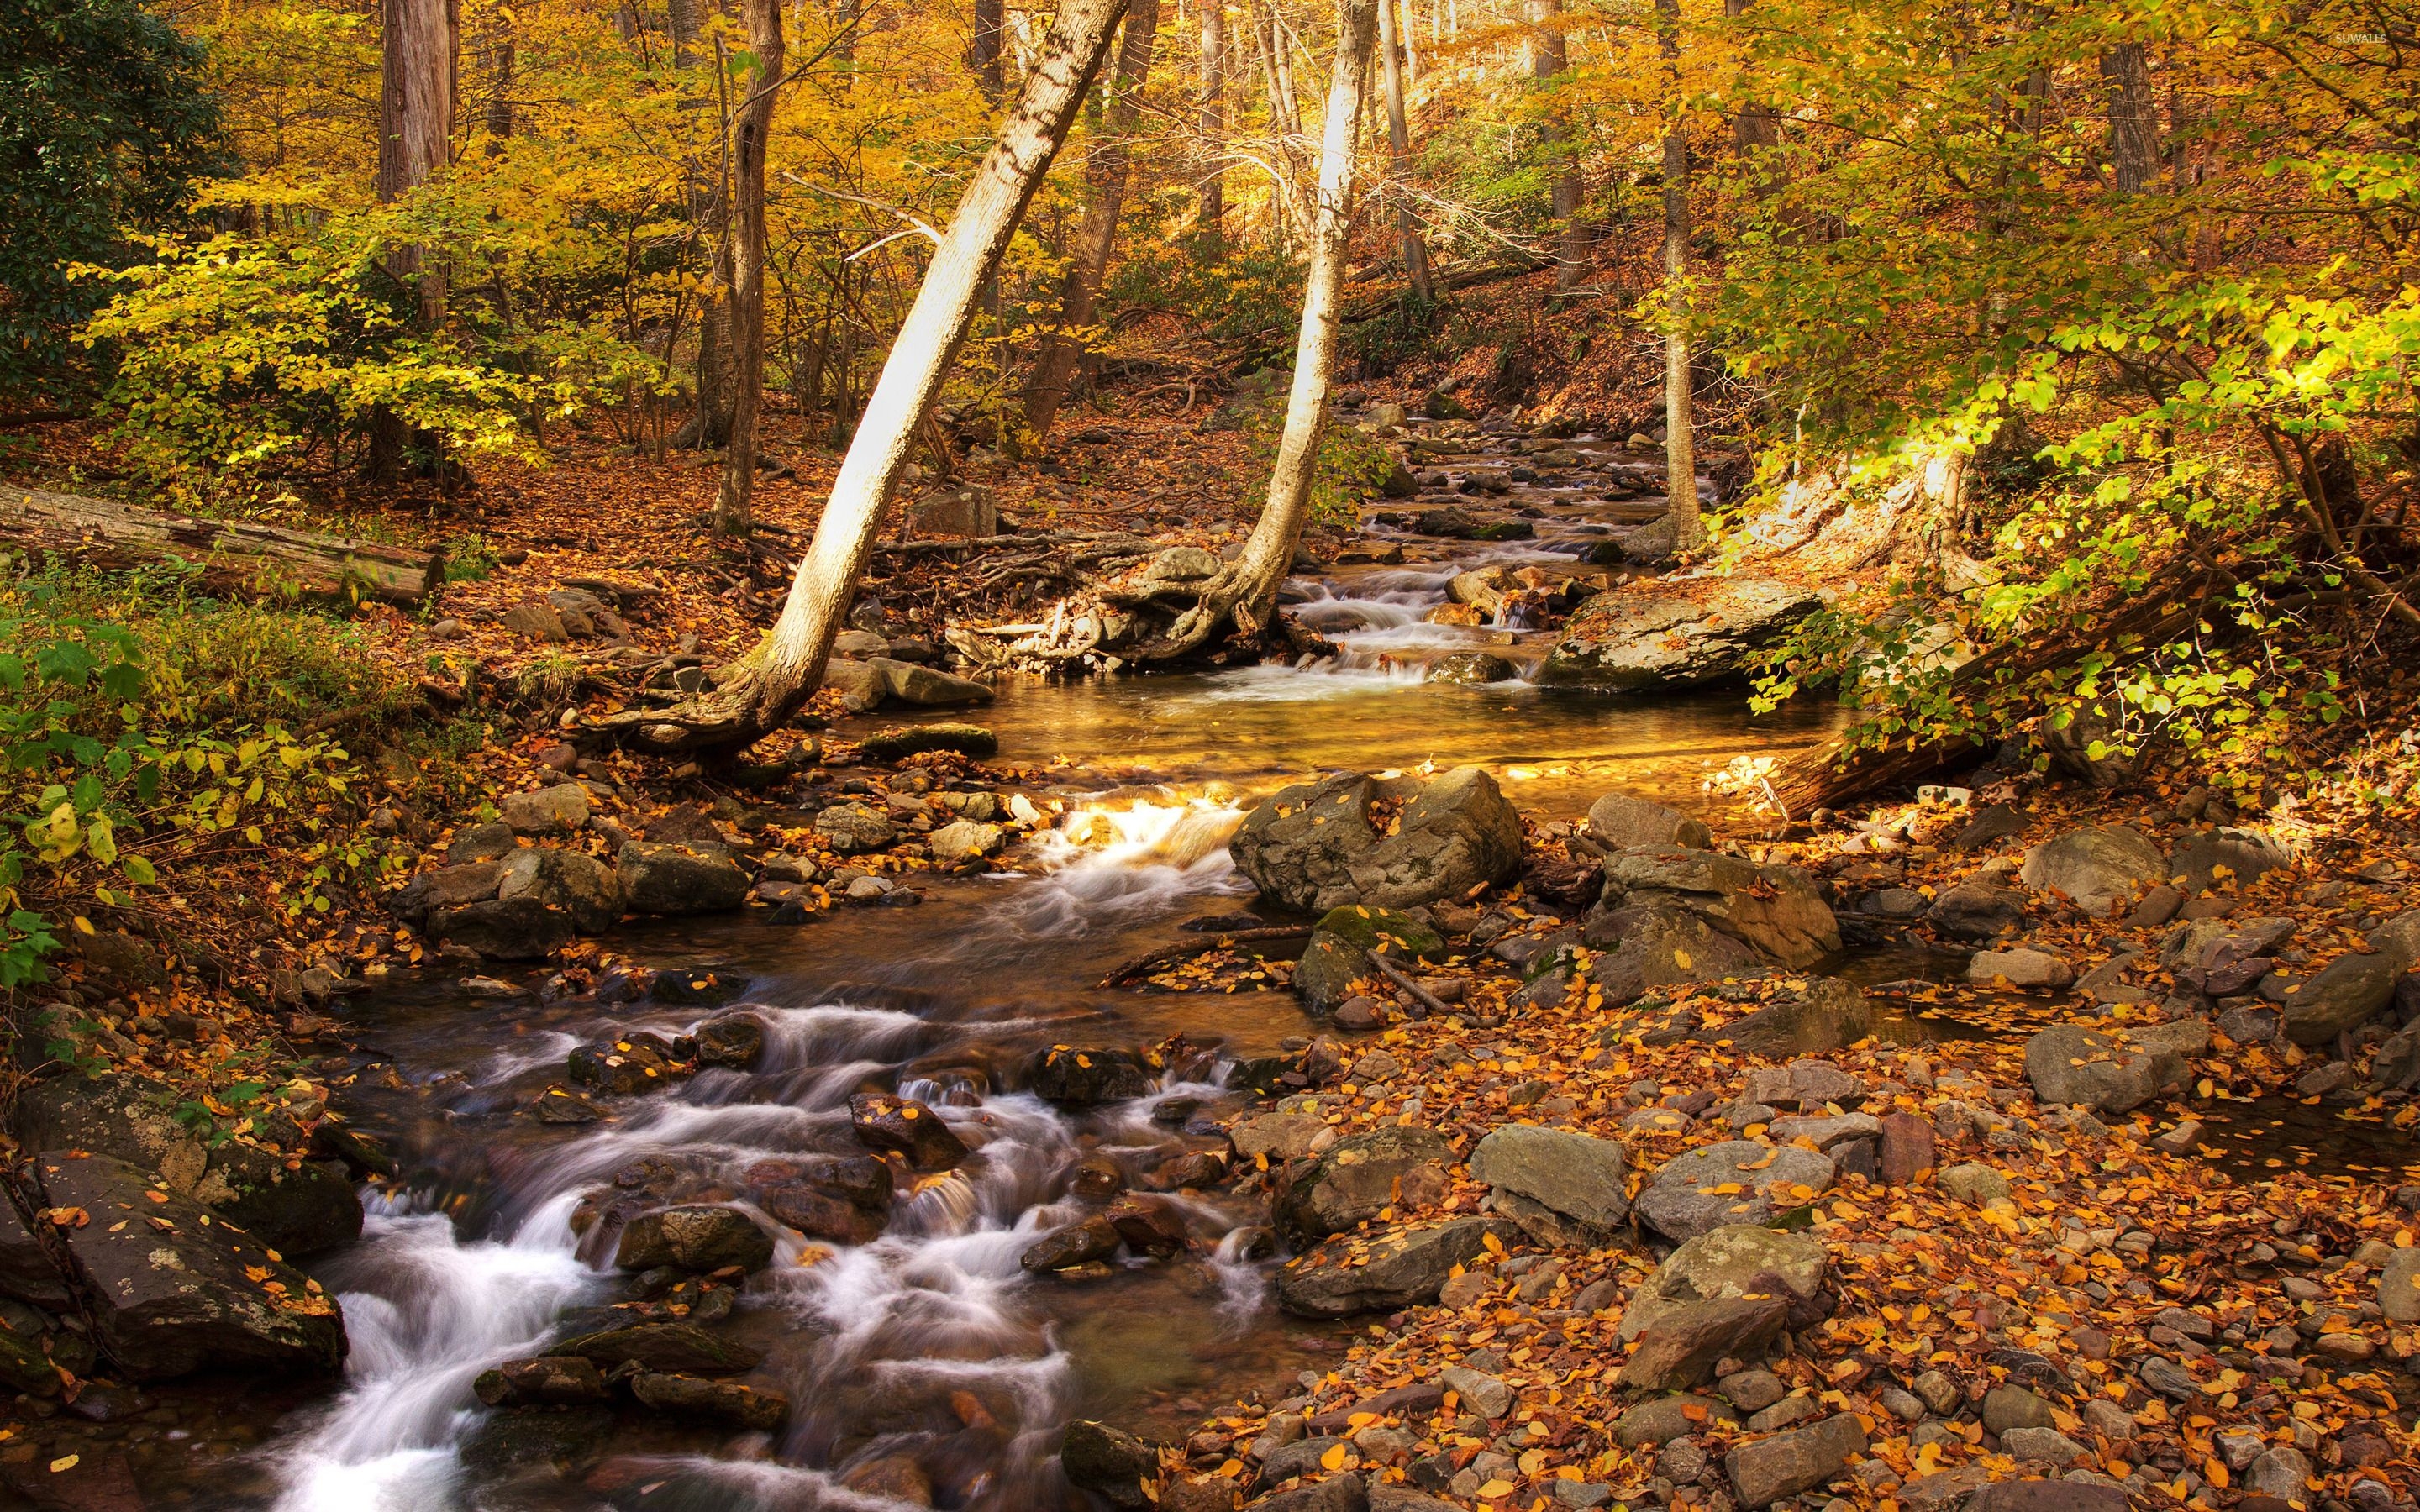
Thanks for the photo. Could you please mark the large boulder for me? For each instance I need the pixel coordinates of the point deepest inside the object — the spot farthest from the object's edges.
(2110, 1072)
(699, 1236)
(1736, 1181)
(306, 1209)
(1618, 821)
(1979, 908)
(845, 1198)
(680, 879)
(927, 687)
(449, 887)
(579, 886)
(1825, 1013)
(904, 1126)
(855, 828)
(1732, 1261)
(1559, 1185)
(2347, 993)
(1685, 1345)
(173, 1292)
(1766, 1469)
(1776, 909)
(1110, 1463)
(1397, 1269)
(504, 929)
(1358, 1177)
(1639, 950)
(1634, 639)
(1313, 847)
(2096, 868)
(2242, 854)
(546, 811)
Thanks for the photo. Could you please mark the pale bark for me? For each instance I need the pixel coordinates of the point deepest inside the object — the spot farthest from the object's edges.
(756, 696)
(1547, 58)
(1246, 591)
(751, 127)
(1054, 365)
(1680, 439)
(1399, 143)
(2133, 119)
(1211, 121)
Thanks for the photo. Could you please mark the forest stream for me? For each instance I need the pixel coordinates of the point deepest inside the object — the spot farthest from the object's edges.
(927, 1360)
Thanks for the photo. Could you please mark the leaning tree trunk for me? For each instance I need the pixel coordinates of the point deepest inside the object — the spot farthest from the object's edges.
(1055, 364)
(753, 126)
(1680, 439)
(1399, 145)
(1246, 591)
(755, 696)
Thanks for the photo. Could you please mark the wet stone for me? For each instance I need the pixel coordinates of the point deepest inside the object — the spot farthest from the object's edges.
(905, 1127)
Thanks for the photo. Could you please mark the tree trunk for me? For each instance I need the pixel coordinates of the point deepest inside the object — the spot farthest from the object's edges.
(984, 53)
(755, 696)
(1680, 439)
(2133, 119)
(1211, 121)
(1547, 58)
(1399, 143)
(1247, 590)
(683, 19)
(417, 51)
(236, 558)
(752, 126)
(1753, 127)
(1106, 175)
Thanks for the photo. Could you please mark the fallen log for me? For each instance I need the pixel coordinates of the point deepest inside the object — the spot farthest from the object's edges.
(237, 558)
(1160, 960)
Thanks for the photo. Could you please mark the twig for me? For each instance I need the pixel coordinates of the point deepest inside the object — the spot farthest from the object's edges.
(1419, 995)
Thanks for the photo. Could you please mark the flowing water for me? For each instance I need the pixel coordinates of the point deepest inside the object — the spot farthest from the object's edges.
(925, 1364)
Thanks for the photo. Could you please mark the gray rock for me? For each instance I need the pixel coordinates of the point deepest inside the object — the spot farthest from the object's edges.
(860, 683)
(1753, 1391)
(1678, 1205)
(1639, 950)
(1827, 1131)
(2007, 1406)
(1938, 1392)
(1403, 1266)
(2096, 868)
(578, 886)
(167, 1301)
(2283, 1473)
(1110, 1462)
(1338, 954)
(924, 686)
(2347, 993)
(1634, 639)
(2398, 1286)
(2399, 940)
(1313, 846)
(1471, 669)
(1776, 909)
(504, 929)
(1733, 1261)
(2020, 966)
(1576, 1175)
(964, 842)
(1618, 821)
(698, 1237)
(1338, 1493)
(1688, 1340)
(679, 879)
(1767, 1469)
(1479, 1391)
(1978, 1184)
(1662, 1419)
(2091, 1068)
(2042, 1496)
(1356, 1178)
(2244, 852)
(1978, 908)
(1825, 1014)
(558, 810)
(855, 828)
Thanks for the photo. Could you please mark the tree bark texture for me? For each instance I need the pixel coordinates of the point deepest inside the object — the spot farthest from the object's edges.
(1210, 119)
(985, 55)
(1105, 171)
(238, 559)
(2133, 119)
(1680, 439)
(755, 696)
(1399, 143)
(1547, 58)
(752, 126)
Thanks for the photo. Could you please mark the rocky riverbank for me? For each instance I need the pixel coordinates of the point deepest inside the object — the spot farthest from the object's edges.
(1640, 1211)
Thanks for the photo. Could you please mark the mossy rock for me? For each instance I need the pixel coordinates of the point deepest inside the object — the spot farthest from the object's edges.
(896, 745)
(1363, 927)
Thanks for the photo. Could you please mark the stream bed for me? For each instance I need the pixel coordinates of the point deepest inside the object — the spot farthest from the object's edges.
(923, 1366)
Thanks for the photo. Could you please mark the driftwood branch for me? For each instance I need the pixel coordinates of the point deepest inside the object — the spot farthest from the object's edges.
(1419, 995)
(238, 558)
(1162, 959)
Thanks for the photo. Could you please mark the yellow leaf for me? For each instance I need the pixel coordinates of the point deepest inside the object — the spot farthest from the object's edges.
(1497, 1488)
(1333, 1458)
(64, 1462)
